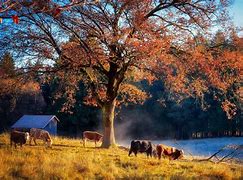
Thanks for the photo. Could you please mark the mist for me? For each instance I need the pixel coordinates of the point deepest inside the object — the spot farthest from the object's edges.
(132, 124)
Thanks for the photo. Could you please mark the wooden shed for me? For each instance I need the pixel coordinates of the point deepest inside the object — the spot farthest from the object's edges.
(46, 122)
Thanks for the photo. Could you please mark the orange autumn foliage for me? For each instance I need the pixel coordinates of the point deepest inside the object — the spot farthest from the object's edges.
(17, 85)
(147, 46)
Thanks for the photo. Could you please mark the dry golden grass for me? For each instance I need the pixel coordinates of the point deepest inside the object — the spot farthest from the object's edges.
(68, 159)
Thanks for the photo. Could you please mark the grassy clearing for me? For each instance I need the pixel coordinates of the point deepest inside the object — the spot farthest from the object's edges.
(68, 159)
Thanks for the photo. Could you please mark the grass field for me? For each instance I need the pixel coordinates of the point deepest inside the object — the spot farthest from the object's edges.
(68, 159)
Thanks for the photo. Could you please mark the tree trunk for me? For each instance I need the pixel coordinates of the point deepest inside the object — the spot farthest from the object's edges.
(108, 114)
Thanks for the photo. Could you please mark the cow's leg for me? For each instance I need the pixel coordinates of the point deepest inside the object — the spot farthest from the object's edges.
(15, 145)
(130, 152)
(135, 153)
(169, 157)
(44, 141)
(84, 142)
(30, 140)
(95, 143)
(147, 154)
(150, 153)
(159, 152)
(35, 141)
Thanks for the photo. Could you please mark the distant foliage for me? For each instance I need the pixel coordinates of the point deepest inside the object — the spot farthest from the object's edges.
(18, 94)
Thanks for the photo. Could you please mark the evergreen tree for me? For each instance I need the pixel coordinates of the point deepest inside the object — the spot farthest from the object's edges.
(7, 65)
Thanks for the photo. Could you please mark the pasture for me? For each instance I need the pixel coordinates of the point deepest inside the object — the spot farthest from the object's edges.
(68, 159)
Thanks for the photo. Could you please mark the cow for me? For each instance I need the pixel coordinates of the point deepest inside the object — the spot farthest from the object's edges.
(18, 137)
(142, 146)
(40, 134)
(92, 136)
(169, 151)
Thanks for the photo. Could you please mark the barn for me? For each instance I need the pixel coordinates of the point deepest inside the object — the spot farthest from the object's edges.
(46, 122)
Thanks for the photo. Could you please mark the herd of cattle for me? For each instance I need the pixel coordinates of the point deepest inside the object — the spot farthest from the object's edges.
(137, 146)
(18, 137)
(159, 150)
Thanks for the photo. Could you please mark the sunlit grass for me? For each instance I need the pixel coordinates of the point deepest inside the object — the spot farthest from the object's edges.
(68, 159)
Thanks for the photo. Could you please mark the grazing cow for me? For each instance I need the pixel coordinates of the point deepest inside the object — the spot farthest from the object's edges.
(40, 134)
(142, 146)
(92, 136)
(168, 151)
(18, 137)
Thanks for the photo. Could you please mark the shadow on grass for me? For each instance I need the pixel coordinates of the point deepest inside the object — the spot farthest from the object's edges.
(54, 145)
(123, 148)
(92, 147)
(64, 145)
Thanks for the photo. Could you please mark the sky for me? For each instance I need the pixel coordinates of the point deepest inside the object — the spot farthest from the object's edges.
(236, 11)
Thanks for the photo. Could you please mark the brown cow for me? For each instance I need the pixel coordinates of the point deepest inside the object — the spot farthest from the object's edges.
(92, 136)
(18, 137)
(40, 134)
(169, 151)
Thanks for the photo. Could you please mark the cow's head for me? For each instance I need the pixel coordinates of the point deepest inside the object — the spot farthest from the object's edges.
(178, 154)
(49, 142)
(181, 154)
(27, 136)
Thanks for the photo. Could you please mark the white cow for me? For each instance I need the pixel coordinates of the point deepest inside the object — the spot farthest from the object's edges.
(40, 134)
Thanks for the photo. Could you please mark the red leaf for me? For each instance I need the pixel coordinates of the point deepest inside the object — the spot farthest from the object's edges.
(57, 12)
(15, 19)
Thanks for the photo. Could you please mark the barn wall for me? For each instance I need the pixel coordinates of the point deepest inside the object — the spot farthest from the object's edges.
(51, 127)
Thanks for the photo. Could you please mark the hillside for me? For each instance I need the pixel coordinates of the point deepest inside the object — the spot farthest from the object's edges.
(68, 159)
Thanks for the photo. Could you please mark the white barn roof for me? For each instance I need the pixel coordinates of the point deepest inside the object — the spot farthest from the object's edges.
(34, 121)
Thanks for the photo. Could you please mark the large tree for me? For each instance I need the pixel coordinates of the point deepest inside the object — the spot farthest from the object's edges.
(112, 44)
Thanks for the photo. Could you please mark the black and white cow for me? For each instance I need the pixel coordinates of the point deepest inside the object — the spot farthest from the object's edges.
(142, 146)
(18, 137)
